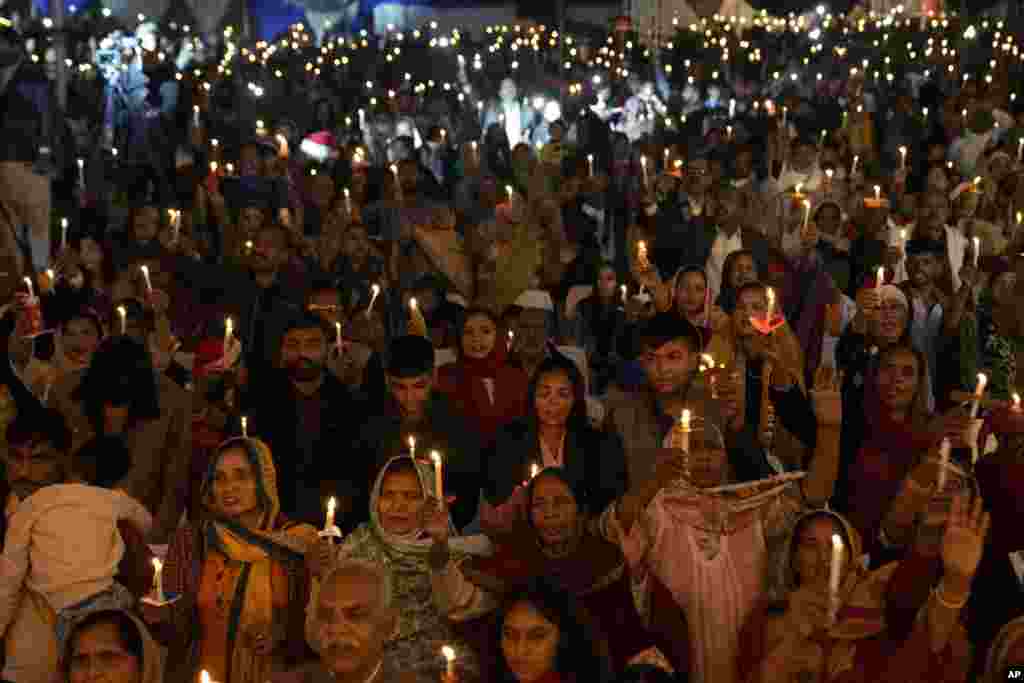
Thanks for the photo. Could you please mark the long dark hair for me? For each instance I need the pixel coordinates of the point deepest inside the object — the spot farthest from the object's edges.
(121, 369)
(582, 653)
(127, 630)
(727, 294)
(558, 363)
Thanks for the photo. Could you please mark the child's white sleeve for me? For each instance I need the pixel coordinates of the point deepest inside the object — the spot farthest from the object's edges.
(133, 511)
(14, 562)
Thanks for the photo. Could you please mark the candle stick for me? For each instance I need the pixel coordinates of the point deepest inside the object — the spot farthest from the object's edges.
(245, 427)
(534, 470)
(63, 233)
(643, 168)
(412, 447)
(145, 275)
(771, 304)
(1020, 150)
(667, 155)
(348, 203)
(828, 176)
(81, 173)
(1016, 402)
(807, 214)
(835, 573)
(175, 224)
(880, 277)
(398, 185)
(449, 656)
(375, 290)
(158, 580)
(785, 114)
(590, 163)
(510, 192)
(228, 330)
(625, 290)
(979, 392)
(195, 115)
(878, 193)
(944, 450)
(337, 330)
(903, 158)
(435, 457)
(332, 505)
(797, 190)
(684, 420)
(122, 312)
(977, 251)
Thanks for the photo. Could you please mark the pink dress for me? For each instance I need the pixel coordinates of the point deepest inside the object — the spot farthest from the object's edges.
(711, 554)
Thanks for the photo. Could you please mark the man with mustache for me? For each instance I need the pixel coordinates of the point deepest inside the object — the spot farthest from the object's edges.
(304, 413)
(349, 625)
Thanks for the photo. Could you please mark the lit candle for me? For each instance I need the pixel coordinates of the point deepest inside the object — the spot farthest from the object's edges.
(510, 192)
(375, 290)
(771, 304)
(435, 457)
(903, 158)
(337, 330)
(880, 277)
(1016, 402)
(412, 447)
(684, 420)
(732, 108)
(449, 657)
(195, 115)
(590, 163)
(807, 214)
(81, 173)
(797, 190)
(944, 450)
(835, 572)
(728, 132)
(145, 276)
(641, 253)
(158, 580)
(977, 251)
(979, 392)
(785, 114)
(1020, 150)
(228, 330)
(828, 176)
(175, 224)
(122, 312)
(348, 203)
(476, 153)
(878, 193)
(625, 290)
(398, 186)
(667, 154)
(643, 168)
(332, 505)
(63, 233)
(245, 427)
(853, 168)
(534, 470)
(213, 167)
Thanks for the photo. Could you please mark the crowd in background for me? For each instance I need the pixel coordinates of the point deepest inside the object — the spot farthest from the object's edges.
(524, 356)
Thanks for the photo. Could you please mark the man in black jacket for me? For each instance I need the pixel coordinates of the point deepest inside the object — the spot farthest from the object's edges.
(306, 416)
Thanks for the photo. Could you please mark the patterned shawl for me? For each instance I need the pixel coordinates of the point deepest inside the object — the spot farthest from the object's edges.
(273, 542)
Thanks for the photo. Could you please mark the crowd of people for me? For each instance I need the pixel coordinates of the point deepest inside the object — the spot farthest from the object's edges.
(522, 357)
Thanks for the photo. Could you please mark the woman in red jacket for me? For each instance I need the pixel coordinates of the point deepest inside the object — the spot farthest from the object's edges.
(482, 386)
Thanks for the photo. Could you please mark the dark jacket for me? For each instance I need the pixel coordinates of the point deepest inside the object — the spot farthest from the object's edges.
(306, 477)
(382, 437)
(595, 461)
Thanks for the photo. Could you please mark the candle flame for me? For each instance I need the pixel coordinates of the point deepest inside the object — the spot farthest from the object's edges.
(799, 186)
(534, 470)
(204, 677)
(413, 303)
(332, 505)
(158, 565)
(1016, 400)
(375, 289)
(982, 383)
(448, 652)
(685, 419)
(771, 297)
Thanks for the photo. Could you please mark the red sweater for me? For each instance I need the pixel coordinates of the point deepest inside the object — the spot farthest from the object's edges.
(463, 384)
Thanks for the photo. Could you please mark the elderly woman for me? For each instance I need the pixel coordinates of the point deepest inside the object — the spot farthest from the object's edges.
(865, 630)
(395, 538)
(241, 574)
(113, 646)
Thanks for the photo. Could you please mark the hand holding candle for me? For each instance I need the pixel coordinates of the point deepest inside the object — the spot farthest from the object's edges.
(145, 276)
(684, 422)
(122, 313)
(449, 655)
(245, 427)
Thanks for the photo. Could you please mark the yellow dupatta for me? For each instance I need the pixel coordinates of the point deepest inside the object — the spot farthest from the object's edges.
(273, 545)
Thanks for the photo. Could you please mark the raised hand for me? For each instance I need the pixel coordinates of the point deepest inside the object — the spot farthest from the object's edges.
(964, 539)
(827, 400)
(434, 520)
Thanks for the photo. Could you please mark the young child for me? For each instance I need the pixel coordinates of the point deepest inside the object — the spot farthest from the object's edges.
(63, 545)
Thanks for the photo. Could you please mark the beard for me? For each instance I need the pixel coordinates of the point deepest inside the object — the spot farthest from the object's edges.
(23, 488)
